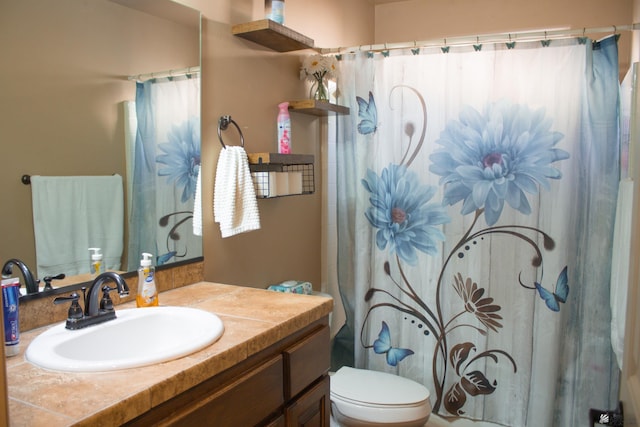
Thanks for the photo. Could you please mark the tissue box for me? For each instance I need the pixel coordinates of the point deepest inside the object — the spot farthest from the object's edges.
(295, 182)
(292, 286)
(273, 184)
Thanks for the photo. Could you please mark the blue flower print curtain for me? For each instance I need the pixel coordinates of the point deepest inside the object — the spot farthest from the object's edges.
(166, 164)
(476, 198)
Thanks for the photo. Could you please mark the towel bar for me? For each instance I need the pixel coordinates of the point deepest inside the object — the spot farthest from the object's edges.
(26, 179)
(223, 124)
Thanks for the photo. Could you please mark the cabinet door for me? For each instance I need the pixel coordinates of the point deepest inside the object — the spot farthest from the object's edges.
(311, 409)
(306, 361)
(248, 400)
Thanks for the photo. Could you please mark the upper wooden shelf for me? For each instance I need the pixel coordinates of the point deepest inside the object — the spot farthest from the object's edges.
(317, 108)
(272, 35)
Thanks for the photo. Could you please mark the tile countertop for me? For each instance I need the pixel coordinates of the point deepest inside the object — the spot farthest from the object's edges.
(253, 320)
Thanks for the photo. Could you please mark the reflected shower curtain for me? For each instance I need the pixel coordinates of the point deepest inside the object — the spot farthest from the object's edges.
(476, 198)
(166, 163)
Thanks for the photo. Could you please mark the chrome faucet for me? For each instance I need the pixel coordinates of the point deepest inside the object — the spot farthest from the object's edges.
(96, 309)
(29, 281)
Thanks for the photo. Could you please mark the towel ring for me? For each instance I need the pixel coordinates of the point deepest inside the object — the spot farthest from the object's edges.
(223, 124)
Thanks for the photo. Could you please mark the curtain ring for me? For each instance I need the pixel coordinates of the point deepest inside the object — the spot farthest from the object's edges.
(223, 124)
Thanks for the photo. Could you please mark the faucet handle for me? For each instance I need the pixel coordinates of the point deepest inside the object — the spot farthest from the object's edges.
(106, 304)
(75, 311)
(47, 281)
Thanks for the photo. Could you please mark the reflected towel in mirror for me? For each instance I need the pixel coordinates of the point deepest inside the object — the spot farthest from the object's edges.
(72, 214)
(197, 205)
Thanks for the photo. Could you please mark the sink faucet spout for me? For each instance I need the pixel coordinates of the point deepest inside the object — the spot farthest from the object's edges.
(92, 302)
(29, 281)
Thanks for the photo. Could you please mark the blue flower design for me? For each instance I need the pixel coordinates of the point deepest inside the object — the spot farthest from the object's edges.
(401, 212)
(488, 158)
(182, 157)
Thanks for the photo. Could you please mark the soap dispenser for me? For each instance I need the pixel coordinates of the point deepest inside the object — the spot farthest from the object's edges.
(147, 290)
(95, 265)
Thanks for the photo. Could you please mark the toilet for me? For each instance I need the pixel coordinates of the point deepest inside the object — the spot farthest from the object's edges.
(361, 397)
(366, 398)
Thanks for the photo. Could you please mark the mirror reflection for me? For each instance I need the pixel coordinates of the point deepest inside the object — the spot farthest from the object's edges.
(70, 110)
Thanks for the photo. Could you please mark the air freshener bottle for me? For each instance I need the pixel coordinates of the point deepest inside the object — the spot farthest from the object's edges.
(147, 290)
(284, 129)
(274, 10)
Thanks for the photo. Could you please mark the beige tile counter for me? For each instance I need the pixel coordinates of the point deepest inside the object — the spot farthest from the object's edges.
(253, 319)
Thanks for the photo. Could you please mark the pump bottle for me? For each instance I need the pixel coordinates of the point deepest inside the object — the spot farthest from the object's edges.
(147, 290)
(95, 265)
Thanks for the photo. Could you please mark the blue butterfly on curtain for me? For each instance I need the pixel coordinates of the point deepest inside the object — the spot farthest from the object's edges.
(368, 114)
(383, 346)
(559, 295)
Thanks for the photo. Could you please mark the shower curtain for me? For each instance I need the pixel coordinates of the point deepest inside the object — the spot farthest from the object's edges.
(166, 161)
(476, 194)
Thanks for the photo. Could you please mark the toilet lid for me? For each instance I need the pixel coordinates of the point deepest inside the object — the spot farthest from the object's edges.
(377, 388)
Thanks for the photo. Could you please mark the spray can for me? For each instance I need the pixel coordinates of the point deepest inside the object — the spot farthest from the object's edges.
(284, 129)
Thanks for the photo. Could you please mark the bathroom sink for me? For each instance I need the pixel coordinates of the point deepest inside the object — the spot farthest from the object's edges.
(137, 337)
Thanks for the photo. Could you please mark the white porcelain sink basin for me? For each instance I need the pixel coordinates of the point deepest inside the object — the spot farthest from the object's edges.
(137, 337)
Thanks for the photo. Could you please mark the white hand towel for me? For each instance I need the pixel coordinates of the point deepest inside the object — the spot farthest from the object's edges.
(235, 206)
(197, 205)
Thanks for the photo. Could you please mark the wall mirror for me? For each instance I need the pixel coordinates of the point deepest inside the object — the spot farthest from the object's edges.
(65, 89)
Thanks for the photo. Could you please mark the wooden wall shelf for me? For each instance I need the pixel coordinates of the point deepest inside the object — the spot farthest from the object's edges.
(317, 108)
(272, 35)
(281, 159)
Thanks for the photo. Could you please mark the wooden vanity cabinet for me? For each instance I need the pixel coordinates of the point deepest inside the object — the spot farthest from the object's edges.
(286, 385)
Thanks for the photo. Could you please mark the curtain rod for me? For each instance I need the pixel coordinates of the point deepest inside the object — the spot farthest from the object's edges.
(486, 38)
(168, 73)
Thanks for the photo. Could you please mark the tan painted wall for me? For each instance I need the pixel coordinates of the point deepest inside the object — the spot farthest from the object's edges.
(247, 81)
(425, 19)
(432, 19)
(63, 77)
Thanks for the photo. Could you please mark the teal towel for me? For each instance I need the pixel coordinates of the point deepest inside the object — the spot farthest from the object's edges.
(72, 214)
